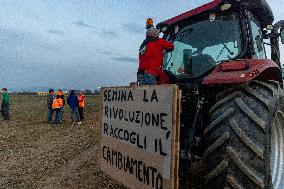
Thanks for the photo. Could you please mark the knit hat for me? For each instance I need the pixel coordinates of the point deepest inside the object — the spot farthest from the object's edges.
(152, 32)
(72, 92)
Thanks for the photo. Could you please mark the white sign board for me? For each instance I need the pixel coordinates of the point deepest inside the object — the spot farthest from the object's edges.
(140, 136)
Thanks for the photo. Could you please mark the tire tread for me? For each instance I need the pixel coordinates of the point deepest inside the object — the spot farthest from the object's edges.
(238, 133)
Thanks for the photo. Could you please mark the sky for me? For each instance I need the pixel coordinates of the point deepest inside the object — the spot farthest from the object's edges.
(82, 44)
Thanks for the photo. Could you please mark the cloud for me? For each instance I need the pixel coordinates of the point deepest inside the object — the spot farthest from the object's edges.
(56, 32)
(109, 33)
(108, 53)
(81, 23)
(133, 28)
(12, 35)
(13, 41)
(126, 59)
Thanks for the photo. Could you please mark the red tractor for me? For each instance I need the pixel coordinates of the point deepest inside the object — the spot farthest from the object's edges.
(232, 105)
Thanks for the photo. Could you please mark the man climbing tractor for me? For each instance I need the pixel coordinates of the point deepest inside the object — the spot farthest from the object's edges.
(151, 51)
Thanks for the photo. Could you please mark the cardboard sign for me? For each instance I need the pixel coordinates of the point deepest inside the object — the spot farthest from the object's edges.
(140, 136)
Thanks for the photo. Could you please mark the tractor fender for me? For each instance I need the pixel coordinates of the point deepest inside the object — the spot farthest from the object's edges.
(245, 70)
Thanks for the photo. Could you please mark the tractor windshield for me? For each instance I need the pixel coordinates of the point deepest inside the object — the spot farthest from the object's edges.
(201, 46)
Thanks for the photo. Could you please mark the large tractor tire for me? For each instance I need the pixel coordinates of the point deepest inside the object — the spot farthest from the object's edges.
(245, 140)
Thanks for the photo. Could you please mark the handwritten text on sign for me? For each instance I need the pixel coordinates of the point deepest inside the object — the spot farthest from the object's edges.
(137, 135)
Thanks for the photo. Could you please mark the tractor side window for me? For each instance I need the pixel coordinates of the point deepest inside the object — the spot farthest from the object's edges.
(258, 43)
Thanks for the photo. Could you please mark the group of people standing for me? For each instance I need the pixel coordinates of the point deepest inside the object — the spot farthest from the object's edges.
(56, 103)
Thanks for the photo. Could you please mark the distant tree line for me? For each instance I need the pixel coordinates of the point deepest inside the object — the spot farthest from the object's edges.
(86, 91)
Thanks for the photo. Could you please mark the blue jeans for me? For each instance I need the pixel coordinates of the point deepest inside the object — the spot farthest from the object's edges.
(62, 112)
(146, 79)
(49, 114)
(75, 114)
(5, 111)
(58, 115)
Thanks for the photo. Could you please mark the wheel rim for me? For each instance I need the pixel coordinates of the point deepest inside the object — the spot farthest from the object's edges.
(277, 154)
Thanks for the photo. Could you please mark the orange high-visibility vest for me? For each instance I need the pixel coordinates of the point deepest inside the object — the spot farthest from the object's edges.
(57, 103)
(81, 99)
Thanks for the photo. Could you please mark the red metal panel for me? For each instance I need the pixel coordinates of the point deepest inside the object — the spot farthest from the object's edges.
(255, 67)
(193, 12)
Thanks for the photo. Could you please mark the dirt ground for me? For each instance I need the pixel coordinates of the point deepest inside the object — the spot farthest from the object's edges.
(35, 154)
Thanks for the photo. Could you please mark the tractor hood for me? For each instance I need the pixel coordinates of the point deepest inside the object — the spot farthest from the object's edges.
(259, 8)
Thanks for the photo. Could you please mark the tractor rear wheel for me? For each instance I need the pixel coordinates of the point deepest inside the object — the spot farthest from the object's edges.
(245, 140)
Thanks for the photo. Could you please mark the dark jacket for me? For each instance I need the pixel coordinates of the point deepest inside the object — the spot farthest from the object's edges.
(50, 98)
(72, 100)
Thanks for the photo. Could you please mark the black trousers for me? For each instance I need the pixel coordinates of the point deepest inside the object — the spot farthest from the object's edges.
(5, 111)
(81, 113)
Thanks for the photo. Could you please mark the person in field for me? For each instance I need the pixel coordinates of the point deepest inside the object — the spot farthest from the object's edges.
(81, 99)
(50, 98)
(57, 106)
(5, 104)
(61, 95)
(73, 103)
(151, 53)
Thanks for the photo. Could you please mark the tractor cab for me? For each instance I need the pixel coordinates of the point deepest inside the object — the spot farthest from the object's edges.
(218, 32)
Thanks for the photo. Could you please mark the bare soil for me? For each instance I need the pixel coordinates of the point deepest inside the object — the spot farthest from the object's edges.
(35, 154)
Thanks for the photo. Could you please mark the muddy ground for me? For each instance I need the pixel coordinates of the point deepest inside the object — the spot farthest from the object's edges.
(35, 154)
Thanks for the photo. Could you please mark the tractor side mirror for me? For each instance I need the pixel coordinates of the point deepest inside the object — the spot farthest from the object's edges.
(282, 35)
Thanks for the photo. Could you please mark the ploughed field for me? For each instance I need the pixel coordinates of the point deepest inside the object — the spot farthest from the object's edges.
(35, 154)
